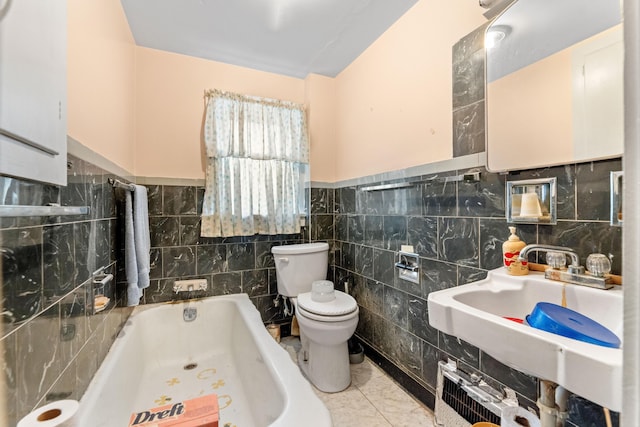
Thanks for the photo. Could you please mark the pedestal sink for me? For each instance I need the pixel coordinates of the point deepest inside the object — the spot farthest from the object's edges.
(477, 313)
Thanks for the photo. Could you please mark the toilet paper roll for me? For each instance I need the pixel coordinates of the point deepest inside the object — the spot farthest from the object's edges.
(530, 206)
(55, 414)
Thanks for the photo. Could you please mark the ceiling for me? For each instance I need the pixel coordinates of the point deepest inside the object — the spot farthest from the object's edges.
(289, 37)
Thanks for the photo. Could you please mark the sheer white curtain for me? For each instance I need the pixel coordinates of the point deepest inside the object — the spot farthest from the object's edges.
(257, 155)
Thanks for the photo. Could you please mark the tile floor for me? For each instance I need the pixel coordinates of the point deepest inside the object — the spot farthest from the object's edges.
(373, 399)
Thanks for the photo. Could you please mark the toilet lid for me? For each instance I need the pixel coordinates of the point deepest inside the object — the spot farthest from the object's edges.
(343, 304)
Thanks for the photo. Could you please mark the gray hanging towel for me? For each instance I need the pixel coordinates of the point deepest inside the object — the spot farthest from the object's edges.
(137, 243)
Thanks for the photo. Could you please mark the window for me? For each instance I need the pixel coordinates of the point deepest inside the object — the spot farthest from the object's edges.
(257, 158)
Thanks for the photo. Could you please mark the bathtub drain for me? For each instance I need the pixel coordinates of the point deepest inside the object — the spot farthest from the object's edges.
(190, 366)
(189, 314)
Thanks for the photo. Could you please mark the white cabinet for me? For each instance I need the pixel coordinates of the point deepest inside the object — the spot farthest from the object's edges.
(33, 89)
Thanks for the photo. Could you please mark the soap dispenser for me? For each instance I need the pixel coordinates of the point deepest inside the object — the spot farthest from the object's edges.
(510, 251)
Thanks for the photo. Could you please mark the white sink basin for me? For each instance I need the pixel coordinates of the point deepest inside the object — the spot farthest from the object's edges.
(475, 313)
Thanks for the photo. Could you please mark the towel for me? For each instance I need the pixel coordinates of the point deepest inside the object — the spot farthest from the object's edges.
(137, 243)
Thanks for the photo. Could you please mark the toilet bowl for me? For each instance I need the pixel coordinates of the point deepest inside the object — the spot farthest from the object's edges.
(324, 356)
(325, 323)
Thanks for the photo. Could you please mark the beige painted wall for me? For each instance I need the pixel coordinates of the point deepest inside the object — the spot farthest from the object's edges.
(320, 99)
(389, 110)
(394, 102)
(100, 72)
(170, 107)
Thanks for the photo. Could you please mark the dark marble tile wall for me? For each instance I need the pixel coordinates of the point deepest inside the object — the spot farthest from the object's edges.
(322, 226)
(230, 265)
(583, 413)
(472, 244)
(458, 230)
(50, 339)
(468, 94)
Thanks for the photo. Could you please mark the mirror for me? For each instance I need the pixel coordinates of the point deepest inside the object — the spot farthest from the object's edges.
(554, 89)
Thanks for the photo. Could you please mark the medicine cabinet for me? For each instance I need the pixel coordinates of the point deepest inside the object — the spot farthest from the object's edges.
(33, 90)
(554, 84)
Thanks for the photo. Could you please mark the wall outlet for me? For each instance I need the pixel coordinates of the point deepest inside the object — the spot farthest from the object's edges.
(190, 285)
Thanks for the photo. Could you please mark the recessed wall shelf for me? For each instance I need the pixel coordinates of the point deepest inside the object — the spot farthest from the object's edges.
(532, 201)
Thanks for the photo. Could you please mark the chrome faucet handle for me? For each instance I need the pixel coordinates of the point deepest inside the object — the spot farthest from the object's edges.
(598, 264)
(556, 259)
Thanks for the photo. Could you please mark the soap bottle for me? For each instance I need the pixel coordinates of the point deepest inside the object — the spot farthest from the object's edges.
(510, 251)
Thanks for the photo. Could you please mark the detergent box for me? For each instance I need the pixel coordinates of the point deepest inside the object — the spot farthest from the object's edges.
(199, 412)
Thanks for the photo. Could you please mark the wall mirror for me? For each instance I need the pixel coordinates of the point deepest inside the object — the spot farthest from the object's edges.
(554, 89)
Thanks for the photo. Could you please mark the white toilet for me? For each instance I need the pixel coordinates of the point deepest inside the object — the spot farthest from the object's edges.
(327, 317)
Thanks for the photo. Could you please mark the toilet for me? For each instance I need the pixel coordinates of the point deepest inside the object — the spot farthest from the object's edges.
(327, 317)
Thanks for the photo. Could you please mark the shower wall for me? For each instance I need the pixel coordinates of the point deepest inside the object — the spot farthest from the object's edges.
(51, 340)
(230, 265)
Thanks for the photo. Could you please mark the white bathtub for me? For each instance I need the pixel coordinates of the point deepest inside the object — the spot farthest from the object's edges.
(255, 379)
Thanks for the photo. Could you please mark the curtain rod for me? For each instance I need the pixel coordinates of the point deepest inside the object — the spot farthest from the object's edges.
(119, 184)
(209, 93)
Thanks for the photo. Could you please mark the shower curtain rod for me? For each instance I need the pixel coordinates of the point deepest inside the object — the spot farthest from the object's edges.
(119, 184)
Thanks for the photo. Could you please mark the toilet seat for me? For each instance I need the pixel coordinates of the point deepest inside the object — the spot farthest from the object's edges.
(301, 312)
(343, 307)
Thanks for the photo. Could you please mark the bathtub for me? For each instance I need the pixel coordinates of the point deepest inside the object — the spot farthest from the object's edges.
(158, 358)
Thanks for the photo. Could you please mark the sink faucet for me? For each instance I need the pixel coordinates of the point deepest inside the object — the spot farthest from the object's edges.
(575, 273)
(575, 266)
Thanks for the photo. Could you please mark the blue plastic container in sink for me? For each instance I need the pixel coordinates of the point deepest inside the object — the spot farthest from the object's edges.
(571, 324)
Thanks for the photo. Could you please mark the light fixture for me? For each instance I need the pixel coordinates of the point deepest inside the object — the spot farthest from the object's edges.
(495, 35)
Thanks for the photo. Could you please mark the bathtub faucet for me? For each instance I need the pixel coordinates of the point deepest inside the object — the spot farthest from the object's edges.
(190, 285)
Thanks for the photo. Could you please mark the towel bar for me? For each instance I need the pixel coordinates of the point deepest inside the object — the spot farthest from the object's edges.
(467, 177)
(116, 183)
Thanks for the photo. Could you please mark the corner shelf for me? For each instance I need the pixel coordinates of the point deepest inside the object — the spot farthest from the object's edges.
(25, 210)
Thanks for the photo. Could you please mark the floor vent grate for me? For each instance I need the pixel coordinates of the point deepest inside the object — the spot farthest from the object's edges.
(468, 408)
(463, 399)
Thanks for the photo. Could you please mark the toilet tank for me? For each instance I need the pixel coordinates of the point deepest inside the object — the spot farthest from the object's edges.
(298, 266)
